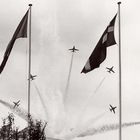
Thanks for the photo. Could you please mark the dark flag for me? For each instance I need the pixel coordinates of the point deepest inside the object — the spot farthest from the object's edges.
(99, 53)
(21, 32)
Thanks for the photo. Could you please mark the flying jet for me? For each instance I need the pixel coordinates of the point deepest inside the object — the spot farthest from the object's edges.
(73, 49)
(16, 104)
(110, 69)
(32, 77)
(112, 108)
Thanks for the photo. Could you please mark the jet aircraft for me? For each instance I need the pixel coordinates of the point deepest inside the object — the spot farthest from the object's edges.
(112, 108)
(110, 69)
(73, 49)
(32, 77)
(16, 104)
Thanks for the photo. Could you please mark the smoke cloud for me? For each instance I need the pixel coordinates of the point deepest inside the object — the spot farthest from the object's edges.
(17, 110)
(52, 69)
(41, 99)
(75, 132)
(106, 128)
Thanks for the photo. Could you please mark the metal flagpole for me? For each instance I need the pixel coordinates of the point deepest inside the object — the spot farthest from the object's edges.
(120, 83)
(29, 67)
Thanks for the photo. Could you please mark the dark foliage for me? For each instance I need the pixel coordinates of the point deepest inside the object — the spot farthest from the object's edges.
(34, 131)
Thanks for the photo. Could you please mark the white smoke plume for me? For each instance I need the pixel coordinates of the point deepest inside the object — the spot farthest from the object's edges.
(52, 81)
(75, 132)
(17, 110)
(80, 118)
(82, 127)
(50, 70)
(106, 128)
(41, 99)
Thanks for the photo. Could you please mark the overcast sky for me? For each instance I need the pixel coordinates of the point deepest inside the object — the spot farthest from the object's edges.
(58, 25)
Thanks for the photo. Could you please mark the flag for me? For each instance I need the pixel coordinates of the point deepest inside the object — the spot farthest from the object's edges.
(21, 32)
(99, 53)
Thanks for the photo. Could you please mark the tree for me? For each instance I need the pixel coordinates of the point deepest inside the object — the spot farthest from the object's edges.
(8, 131)
(34, 131)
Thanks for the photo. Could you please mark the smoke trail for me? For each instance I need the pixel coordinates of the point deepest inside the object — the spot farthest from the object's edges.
(99, 85)
(92, 121)
(20, 112)
(68, 81)
(66, 90)
(49, 131)
(87, 102)
(52, 54)
(83, 127)
(55, 111)
(61, 114)
(106, 128)
(95, 131)
(79, 132)
(41, 99)
(51, 138)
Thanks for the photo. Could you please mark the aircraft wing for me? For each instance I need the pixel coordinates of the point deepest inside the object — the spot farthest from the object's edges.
(113, 111)
(113, 71)
(18, 101)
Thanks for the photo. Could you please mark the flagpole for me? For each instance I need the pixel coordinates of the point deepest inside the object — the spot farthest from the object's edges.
(29, 67)
(120, 76)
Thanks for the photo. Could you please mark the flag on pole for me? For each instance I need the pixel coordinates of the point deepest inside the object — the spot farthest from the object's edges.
(21, 32)
(99, 53)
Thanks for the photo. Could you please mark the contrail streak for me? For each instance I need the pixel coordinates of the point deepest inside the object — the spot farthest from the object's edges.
(99, 85)
(78, 133)
(79, 129)
(41, 99)
(106, 128)
(88, 100)
(68, 81)
(17, 110)
(91, 121)
(95, 131)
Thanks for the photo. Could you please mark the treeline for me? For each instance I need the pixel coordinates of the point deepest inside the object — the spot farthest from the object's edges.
(34, 131)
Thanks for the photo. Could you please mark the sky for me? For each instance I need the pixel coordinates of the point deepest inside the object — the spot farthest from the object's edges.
(56, 27)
